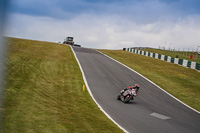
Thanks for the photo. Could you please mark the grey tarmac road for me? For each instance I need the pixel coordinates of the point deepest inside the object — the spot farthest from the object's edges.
(153, 111)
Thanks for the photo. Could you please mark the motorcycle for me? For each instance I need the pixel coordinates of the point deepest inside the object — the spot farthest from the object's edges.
(127, 95)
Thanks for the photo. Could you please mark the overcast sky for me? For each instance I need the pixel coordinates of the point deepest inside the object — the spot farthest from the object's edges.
(108, 24)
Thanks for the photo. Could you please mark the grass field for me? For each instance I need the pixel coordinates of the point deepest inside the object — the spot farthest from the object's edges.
(183, 83)
(43, 92)
(175, 54)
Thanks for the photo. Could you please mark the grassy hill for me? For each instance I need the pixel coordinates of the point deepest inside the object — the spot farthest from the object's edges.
(181, 82)
(43, 92)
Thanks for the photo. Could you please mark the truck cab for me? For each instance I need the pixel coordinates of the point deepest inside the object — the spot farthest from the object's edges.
(69, 40)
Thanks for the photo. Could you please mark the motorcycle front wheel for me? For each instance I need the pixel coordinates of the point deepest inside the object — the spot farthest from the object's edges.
(127, 99)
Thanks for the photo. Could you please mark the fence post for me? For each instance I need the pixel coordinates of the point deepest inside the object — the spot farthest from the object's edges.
(197, 66)
(149, 54)
(154, 55)
(193, 65)
(172, 60)
(165, 58)
(169, 58)
(185, 62)
(159, 56)
(180, 61)
(189, 64)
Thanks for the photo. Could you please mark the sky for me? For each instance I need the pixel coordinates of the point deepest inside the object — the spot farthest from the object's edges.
(108, 24)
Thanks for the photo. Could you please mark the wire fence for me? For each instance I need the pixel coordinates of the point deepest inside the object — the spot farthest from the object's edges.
(188, 54)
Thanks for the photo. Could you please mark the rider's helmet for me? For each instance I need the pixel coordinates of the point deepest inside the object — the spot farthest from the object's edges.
(137, 85)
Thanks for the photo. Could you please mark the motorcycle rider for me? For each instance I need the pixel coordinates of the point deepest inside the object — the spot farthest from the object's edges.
(135, 87)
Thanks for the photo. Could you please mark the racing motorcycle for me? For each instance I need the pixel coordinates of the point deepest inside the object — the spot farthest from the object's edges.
(127, 95)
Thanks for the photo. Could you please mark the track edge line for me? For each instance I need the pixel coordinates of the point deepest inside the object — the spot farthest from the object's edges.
(85, 80)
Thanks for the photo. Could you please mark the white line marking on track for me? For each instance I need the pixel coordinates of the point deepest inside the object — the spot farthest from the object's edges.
(163, 117)
(88, 88)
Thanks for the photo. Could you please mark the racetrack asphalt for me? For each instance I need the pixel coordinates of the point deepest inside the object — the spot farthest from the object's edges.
(152, 111)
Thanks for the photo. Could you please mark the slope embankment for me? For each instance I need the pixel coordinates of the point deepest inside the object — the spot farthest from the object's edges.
(43, 92)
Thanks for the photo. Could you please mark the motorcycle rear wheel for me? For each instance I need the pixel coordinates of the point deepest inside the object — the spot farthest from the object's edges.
(127, 99)
(118, 97)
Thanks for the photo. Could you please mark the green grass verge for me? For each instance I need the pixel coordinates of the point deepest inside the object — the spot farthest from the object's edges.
(183, 83)
(175, 54)
(43, 92)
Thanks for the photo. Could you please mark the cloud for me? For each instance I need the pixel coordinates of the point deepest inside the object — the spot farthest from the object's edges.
(108, 32)
(112, 24)
(140, 11)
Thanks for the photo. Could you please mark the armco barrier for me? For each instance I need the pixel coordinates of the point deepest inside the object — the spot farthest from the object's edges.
(165, 58)
(197, 66)
(181, 62)
(189, 64)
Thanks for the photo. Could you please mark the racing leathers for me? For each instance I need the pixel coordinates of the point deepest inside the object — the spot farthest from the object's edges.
(135, 88)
